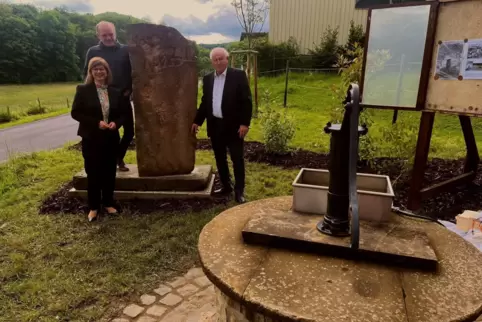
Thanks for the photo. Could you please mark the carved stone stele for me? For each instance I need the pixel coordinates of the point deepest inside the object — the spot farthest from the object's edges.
(165, 87)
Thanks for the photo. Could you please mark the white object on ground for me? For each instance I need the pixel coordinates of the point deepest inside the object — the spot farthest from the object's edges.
(473, 236)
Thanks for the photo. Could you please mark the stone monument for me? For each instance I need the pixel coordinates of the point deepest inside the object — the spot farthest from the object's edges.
(165, 89)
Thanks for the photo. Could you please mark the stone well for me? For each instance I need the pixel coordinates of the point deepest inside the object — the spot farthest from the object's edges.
(257, 283)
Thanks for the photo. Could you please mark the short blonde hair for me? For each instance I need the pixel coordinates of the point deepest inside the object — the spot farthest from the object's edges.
(94, 62)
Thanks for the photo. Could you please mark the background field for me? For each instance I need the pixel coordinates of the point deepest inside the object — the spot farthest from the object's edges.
(19, 99)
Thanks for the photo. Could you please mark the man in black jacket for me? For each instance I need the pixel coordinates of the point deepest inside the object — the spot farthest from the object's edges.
(226, 105)
(117, 56)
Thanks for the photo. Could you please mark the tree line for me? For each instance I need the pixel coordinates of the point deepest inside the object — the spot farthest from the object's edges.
(40, 46)
(44, 46)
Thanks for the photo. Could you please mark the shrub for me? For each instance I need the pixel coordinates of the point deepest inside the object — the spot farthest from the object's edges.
(356, 37)
(38, 109)
(278, 129)
(325, 54)
(7, 116)
(35, 110)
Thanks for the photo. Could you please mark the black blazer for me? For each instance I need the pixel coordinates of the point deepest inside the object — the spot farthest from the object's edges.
(86, 109)
(236, 103)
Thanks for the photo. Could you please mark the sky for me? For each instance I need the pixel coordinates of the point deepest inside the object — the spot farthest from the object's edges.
(205, 21)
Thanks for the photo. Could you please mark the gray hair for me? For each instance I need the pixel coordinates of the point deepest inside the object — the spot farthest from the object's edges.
(103, 22)
(226, 53)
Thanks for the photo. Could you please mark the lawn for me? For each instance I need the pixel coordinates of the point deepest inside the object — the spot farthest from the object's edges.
(22, 102)
(62, 268)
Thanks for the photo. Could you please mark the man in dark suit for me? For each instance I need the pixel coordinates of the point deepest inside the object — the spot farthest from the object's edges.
(226, 105)
(117, 56)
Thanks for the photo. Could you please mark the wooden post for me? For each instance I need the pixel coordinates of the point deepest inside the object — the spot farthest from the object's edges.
(399, 88)
(420, 162)
(286, 82)
(248, 69)
(472, 160)
(233, 61)
(255, 72)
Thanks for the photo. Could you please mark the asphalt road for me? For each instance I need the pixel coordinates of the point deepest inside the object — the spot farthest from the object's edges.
(36, 136)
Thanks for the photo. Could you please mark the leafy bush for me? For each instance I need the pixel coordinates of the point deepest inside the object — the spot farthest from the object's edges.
(278, 129)
(270, 56)
(325, 54)
(356, 38)
(35, 110)
(7, 116)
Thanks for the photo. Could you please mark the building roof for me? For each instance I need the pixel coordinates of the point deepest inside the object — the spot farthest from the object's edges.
(361, 4)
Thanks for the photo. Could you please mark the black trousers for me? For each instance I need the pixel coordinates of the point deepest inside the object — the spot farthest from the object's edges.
(100, 163)
(222, 140)
(128, 132)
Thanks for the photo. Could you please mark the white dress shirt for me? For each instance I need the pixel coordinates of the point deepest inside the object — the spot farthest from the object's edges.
(218, 88)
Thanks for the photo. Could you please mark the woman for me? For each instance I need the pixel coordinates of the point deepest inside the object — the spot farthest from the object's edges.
(100, 110)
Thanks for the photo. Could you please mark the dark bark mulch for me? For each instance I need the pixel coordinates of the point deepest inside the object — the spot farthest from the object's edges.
(444, 206)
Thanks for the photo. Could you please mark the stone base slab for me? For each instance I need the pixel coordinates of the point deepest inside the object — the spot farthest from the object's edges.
(389, 243)
(130, 181)
(130, 195)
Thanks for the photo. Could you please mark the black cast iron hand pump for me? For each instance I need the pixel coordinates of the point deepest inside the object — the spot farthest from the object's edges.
(342, 191)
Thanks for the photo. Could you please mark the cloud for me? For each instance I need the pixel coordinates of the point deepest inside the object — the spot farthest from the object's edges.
(81, 6)
(212, 38)
(206, 21)
(223, 23)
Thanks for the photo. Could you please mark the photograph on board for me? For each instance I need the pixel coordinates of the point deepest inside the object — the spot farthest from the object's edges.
(473, 67)
(449, 59)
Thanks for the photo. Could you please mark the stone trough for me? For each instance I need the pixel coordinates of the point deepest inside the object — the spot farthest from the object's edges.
(375, 194)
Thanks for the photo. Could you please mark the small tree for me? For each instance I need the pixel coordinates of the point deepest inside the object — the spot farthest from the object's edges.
(325, 54)
(251, 15)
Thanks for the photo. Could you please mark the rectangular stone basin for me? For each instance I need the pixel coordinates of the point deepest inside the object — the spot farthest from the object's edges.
(375, 194)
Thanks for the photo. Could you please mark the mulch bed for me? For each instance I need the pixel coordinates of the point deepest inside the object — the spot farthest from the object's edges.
(444, 206)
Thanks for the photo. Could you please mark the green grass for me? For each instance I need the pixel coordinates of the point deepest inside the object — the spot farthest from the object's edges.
(55, 99)
(60, 267)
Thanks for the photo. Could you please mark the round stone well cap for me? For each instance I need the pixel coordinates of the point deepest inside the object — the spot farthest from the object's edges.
(294, 286)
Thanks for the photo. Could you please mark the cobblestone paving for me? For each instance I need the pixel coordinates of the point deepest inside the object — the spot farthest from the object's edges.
(189, 298)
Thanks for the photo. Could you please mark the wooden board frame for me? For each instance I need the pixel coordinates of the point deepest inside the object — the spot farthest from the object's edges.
(417, 192)
(427, 55)
(466, 95)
